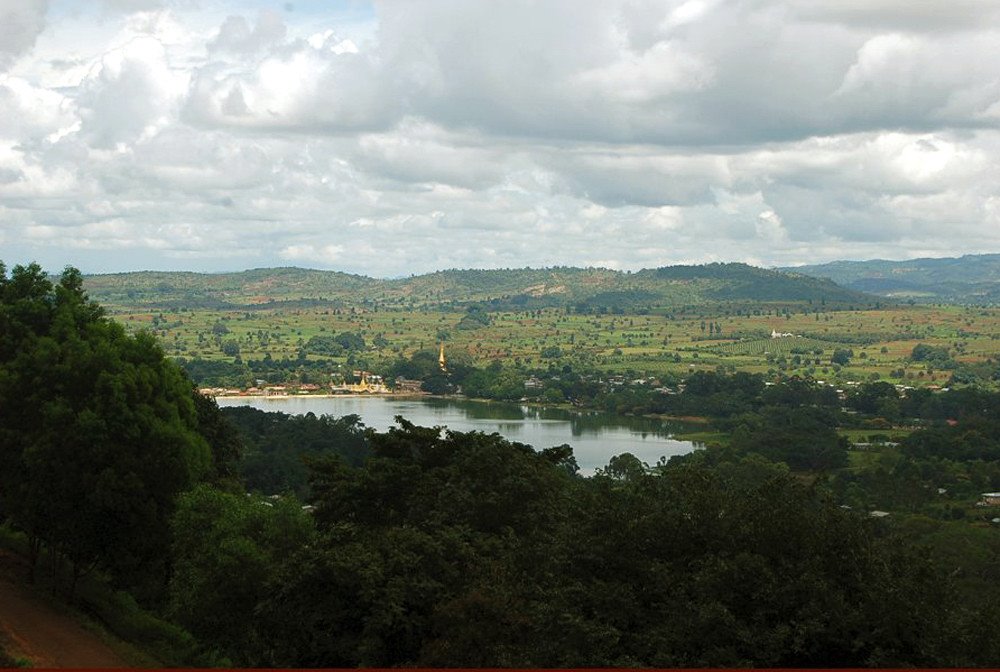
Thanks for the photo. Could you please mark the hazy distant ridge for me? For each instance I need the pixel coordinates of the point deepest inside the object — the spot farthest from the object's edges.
(502, 288)
(973, 278)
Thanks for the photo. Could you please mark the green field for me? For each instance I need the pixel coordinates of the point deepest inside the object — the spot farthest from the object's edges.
(881, 341)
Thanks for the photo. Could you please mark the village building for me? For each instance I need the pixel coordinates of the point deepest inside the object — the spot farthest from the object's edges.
(989, 499)
(533, 383)
(408, 386)
(369, 384)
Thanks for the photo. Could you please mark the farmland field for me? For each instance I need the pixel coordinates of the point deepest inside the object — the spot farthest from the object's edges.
(880, 341)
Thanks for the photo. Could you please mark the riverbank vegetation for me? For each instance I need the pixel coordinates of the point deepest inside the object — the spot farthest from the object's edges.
(786, 545)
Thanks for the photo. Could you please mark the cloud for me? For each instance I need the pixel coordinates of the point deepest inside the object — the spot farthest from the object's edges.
(899, 14)
(129, 6)
(427, 133)
(297, 88)
(236, 35)
(21, 22)
(325, 255)
(130, 91)
(29, 113)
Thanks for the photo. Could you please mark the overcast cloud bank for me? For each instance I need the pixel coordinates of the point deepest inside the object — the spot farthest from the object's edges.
(417, 135)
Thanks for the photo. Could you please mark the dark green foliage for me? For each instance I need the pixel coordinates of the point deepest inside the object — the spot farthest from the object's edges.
(804, 438)
(216, 372)
(740, 282)
(421, 365)
(100, 432)
(878, 399)
(404, 535)
(975, 438)
(494, 382)
(278, 446)
(934, 356)
(474, 318)
(325, 345)
(970, 401)
(937, 469)
(222, 437)
(351, 341)
(225, 548)
(842, 356)
(438, 384)
(468, 550)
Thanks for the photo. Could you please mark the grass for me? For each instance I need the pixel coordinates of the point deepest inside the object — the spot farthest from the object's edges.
(875, 435)
(656, 344)
(859, 460)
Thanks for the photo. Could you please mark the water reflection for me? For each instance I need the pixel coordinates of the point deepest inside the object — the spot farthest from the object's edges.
(594, 436)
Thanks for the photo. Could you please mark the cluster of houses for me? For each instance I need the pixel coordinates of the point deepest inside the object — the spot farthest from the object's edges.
(368, 383)
(989, 499)
(612, 382)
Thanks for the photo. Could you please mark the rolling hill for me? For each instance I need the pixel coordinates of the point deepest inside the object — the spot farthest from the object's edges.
(583, 288)
(973, 279)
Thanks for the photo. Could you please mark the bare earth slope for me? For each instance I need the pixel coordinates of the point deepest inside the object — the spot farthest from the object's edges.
(33, 630)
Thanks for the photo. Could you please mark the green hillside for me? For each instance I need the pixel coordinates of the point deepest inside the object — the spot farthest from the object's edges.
(582, 288)
(972, 279)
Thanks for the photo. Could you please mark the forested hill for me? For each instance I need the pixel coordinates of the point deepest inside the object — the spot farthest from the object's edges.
(585, 288)
(974, 278)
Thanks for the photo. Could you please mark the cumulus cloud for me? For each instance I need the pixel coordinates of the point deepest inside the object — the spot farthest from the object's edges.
(131, 5)
(127, 93)
(900, 14)
(21, 21)
(429, 134)
(236, 34)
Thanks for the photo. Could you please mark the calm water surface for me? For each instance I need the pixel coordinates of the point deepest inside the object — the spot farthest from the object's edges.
(595, 437)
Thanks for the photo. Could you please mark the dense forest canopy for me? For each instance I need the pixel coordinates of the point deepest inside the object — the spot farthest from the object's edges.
(99, 433)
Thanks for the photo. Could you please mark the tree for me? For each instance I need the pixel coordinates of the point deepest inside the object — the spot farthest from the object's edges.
(842, 356)
(351, 341)
(803, 438)
(278, 446)
(225, 546)
(100, 431)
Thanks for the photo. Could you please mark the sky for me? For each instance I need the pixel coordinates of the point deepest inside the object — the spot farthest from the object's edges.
(399, 137)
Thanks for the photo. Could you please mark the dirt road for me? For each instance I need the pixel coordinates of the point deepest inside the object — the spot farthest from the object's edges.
(34, 630)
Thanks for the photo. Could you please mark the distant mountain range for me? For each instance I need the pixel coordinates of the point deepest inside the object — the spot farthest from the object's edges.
(583, 288)
(974, 278)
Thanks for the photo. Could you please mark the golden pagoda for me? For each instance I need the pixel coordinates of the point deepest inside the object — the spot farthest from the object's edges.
(441, 361)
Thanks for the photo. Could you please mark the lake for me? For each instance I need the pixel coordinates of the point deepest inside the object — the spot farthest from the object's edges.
(595, 437)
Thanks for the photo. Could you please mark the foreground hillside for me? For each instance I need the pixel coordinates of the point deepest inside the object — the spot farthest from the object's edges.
(974, 278)
(500, 289)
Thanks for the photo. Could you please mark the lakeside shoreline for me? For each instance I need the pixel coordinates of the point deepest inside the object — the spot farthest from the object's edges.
(349, 395)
